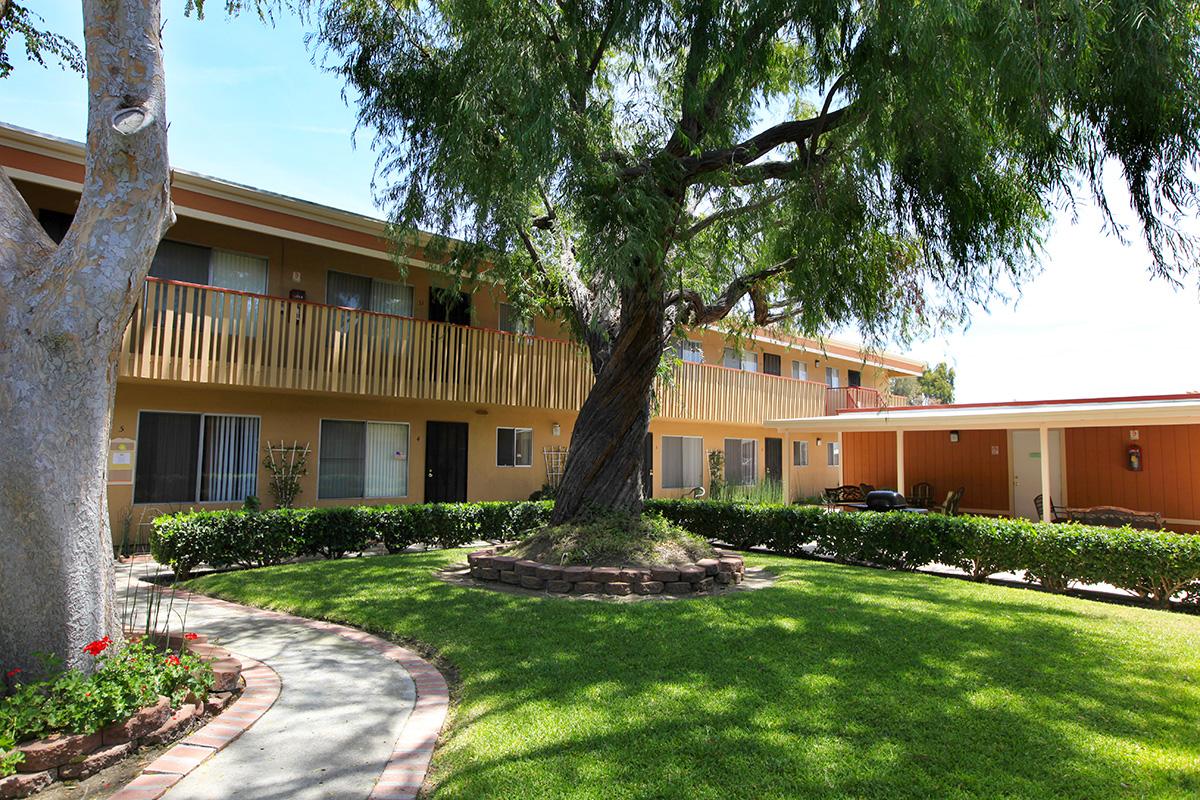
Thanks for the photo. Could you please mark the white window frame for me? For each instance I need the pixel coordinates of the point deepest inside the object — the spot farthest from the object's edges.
(689, 351)
(699, 467)
(832, 378)
(199, 454)
(834, 454)
(799, 370)
(407, 458)
(800, 453)
(516, 449)
(744, 358)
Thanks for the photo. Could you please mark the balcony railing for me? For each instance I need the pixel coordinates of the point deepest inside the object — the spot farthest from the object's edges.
(849, 398)
(199, 334)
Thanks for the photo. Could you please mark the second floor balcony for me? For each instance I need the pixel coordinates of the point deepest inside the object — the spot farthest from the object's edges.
(199, 334)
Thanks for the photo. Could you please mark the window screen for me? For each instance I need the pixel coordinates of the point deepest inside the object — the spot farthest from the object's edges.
(682, 459)
(800, 370)
(800, 454)
(744, 360)
(341, 460)
(772, 364)
(741, 462)
(835, 454)
(167, 451)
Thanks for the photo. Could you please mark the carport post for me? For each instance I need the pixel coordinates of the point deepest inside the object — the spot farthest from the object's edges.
(1044, 458)
(900, 462)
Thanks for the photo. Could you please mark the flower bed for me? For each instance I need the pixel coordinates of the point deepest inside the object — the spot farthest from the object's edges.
(72, 725)
(680, 579)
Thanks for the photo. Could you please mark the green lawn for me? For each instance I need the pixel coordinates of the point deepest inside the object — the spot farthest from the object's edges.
(836, 682)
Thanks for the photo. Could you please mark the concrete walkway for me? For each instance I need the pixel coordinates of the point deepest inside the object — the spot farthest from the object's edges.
(334, 729)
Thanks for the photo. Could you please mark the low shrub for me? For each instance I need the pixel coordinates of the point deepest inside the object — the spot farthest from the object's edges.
(1156, 565)
(125, 679)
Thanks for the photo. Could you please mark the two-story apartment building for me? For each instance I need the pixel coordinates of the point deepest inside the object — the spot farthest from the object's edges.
(271, 320)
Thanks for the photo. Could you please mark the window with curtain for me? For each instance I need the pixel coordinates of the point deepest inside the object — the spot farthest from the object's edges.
(187, 458)
(800, 370)
(741, 462)
(513, 322)
(800, 454)
(832, 378)
(362, 459)
(744, 360)
(391, 297)
(682, 462)
(689, 351)
(514, 447)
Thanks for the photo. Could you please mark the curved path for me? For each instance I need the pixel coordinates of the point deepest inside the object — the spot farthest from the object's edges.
(356, 717)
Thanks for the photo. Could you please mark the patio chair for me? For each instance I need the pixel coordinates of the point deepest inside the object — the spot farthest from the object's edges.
(1057, 513)
(949, 506)
(922, 495)
(843, 494)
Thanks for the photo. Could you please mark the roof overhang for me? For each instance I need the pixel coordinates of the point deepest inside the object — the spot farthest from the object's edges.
(1080, 414)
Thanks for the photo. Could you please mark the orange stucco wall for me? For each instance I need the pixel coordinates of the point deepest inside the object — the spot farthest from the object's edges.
(977, 462)
(1169, 482)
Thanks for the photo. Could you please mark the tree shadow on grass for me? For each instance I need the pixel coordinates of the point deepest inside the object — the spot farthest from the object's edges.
(836, 682)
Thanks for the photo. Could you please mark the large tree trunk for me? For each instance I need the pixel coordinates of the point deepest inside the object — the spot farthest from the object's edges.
(62, 313)
(605, 458)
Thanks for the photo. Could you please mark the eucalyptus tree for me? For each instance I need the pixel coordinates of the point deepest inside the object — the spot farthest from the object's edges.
(643, 167)
(63, 309)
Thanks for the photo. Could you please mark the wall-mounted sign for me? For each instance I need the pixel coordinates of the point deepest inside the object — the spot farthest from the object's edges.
(120, 462)
(1133, 435)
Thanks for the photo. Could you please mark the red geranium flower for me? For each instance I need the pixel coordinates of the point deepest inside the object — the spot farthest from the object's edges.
(173, 660)
(97, 647)
(12, 673)
(191, 636)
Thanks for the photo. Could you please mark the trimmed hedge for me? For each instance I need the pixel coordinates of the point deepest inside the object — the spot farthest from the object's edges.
(241, 538)
(1155, 565)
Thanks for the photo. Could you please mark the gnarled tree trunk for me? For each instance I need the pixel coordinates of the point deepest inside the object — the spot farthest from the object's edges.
(605, 458)
(63, 310)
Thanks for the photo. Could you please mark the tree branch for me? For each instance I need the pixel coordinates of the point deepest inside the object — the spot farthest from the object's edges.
(728, 213)
(702, 313)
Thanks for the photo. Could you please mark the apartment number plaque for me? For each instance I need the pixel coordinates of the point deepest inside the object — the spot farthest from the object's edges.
(120, 462)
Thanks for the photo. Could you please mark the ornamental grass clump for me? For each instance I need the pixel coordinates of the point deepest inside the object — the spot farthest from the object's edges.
(124, 679)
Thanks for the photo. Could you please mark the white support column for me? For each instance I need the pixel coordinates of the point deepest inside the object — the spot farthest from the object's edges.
(837, 437)
(900, 482)
(786, 470)
(1044, 458)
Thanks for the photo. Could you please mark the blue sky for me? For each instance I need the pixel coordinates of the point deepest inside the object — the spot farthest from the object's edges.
(247, 104)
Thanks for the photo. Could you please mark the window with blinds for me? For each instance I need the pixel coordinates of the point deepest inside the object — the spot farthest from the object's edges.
(741, 462)
(187, 458)
(514, 447)
(800, 370)
(834, 454)
(682, 462)
(362, 459)
(370, 294)
(832, 378)
(800, 454)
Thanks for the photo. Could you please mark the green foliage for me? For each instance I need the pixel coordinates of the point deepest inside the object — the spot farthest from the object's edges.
(40, 44)
(125, 679)
(935, 384)
(253, 539)
(1156, 565)
(888, 164)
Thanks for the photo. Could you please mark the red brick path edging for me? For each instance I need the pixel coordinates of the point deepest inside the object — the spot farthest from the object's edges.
(406, 766)
(262, 689)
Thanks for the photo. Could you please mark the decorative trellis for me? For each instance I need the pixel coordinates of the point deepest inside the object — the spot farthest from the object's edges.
(556, 463)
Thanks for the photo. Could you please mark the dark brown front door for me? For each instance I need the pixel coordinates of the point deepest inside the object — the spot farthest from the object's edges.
(648, 467)
(452, 308)
(773, 455)
(445, 462)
